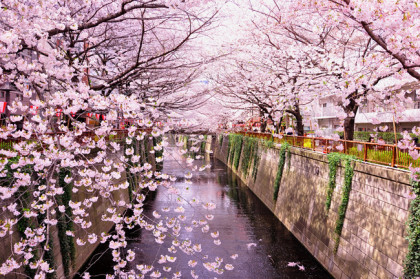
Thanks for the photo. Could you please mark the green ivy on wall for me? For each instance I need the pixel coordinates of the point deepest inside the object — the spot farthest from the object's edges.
(145, 150)
(333, 160)
(412, 261)
(220, 140)
(158, 153)
(256, 162)
(228, 150)
(249, 147)
(348, 178)
(203, 145)
(268, 143)
(234, 150)
(237, 151)
(284, 147)
(48, 253)
(23, 223)
(24, 205)
(65, 223)
(128, 174)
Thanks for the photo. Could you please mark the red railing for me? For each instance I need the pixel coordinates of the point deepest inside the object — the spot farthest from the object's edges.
(117, 135)
(384, 154)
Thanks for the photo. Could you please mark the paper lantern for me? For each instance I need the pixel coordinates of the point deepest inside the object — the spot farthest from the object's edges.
(3, 107)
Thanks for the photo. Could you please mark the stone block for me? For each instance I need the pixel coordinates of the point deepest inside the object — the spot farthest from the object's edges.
(336, 271)
(360, 272)
(341, 252)
(349, 265)
(379, 257)
(372, 275)
(322, 258)
(363, 234)
(402, 215)
(399, 242)
(322, 247)
(358, 255)
(375, 240)
(346, 234)
(383, 273)
(396, 227)
(402, 254)
(395, 268)
(389, 250)
(384, 233)
(371, 265)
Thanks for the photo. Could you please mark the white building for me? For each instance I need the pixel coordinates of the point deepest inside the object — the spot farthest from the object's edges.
(325, 114)
(404, 120)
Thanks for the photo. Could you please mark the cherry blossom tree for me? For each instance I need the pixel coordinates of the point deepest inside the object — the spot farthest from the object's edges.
(73, 59)
(393, 26)
(271, 79)
(351, 63)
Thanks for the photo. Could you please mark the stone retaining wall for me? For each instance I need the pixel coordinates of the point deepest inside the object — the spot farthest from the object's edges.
(98, 226)
(372, 243)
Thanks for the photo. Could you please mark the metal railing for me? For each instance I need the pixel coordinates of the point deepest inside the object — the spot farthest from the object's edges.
(384, 154)
(116, 135)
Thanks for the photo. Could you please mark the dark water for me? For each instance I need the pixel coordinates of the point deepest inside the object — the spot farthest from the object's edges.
(264, 247)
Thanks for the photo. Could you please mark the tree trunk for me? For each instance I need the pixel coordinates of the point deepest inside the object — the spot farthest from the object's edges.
(299, 120)
(349, 121)
(349, 128)
(278, 125)
(299, 124)
(263, 125)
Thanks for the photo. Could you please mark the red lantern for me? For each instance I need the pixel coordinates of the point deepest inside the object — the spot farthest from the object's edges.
(58, 112)
(3, 107)
(34, 110)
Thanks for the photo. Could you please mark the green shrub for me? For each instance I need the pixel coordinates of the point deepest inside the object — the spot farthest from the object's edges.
(388, 137)
(284, 147)
(412, 261)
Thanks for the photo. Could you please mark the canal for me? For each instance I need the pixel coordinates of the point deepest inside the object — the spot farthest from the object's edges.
(251, 239)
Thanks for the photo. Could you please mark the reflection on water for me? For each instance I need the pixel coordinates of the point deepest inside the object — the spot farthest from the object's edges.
(246, 227)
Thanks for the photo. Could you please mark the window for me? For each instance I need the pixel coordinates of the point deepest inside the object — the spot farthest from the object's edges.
(324, 105)
(416, 94)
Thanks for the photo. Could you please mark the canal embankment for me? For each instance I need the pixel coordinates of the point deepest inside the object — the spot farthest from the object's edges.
(65, 255)
(249, 237)
(365, 240)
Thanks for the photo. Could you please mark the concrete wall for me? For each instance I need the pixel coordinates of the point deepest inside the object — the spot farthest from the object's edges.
(372, 243)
